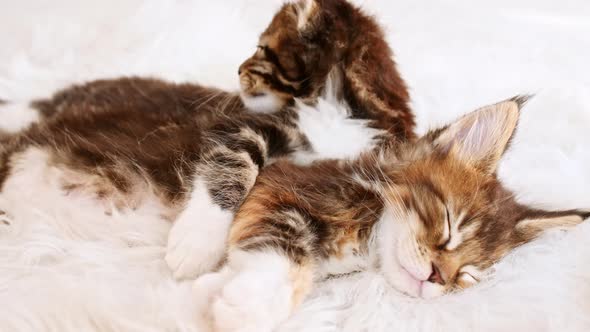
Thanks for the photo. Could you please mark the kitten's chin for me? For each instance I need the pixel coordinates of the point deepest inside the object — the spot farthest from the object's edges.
(404, 282)
(399, 278)
(390, 264)
(263, 102)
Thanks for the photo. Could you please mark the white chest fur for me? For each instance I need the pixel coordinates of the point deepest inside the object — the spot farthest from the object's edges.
(332, 134)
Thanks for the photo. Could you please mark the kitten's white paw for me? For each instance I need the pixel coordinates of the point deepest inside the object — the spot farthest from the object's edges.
(196, 242)
(239, 308)
(205, 289)
(252, 295)
(194, 248)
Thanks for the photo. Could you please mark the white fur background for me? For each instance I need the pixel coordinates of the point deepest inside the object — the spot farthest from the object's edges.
(77, 275)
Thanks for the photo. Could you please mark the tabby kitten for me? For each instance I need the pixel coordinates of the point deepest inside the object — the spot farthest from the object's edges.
(311, 42)
(431, 216)
(143, 148)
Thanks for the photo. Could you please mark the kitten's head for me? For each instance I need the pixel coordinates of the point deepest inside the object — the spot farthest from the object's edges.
(296, 53)
(447, 217)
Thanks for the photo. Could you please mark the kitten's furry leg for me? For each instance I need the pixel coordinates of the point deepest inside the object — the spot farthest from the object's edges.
(231, 159)
(268, 272)
(255, 292)
(196, 243)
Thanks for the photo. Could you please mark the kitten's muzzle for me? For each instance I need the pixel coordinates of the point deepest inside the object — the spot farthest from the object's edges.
(248, 82)
(250, 86)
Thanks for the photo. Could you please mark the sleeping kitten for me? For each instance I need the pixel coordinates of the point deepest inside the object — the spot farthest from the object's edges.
(142, 148)
(431, 216)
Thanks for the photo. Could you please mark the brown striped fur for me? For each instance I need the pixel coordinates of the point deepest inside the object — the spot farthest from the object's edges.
(163, 149)
(320, 203)
(149, 95)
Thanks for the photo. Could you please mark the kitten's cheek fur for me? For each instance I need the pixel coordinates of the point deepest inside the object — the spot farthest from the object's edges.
(196, 242)
(253, 292)
(266, 103)
(390, 234)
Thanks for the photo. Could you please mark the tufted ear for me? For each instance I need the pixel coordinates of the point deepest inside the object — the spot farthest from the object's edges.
(535, 223)
(481, 137)
(307, 12)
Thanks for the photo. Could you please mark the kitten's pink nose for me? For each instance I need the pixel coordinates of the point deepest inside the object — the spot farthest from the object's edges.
(435, 276)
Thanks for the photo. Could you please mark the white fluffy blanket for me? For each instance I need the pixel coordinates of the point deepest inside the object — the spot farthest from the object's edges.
(76, 275)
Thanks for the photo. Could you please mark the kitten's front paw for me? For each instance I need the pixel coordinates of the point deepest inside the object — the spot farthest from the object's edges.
(196, 242)
(234, 313)
(231, 303)
(251, 298)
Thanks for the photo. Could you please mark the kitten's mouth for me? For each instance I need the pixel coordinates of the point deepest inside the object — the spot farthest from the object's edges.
(261, 101)
(423, 289)
(255, 94)
(414, 285)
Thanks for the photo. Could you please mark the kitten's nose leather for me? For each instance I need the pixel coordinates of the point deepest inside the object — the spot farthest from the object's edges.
(435, 276)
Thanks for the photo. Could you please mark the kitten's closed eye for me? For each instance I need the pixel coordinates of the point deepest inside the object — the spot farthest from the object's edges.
(467, 278)
(446, 236)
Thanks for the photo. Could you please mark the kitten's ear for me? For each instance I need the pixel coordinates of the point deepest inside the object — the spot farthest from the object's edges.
(308, 12)
(534, 224)
(481, 137)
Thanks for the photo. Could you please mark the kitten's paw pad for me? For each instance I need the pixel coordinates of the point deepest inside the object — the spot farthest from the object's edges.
(196, 246)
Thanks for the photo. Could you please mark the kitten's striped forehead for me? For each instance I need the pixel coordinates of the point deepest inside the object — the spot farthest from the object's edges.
(457, 233)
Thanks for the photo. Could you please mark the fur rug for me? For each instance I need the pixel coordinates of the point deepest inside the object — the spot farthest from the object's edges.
(63, 275)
